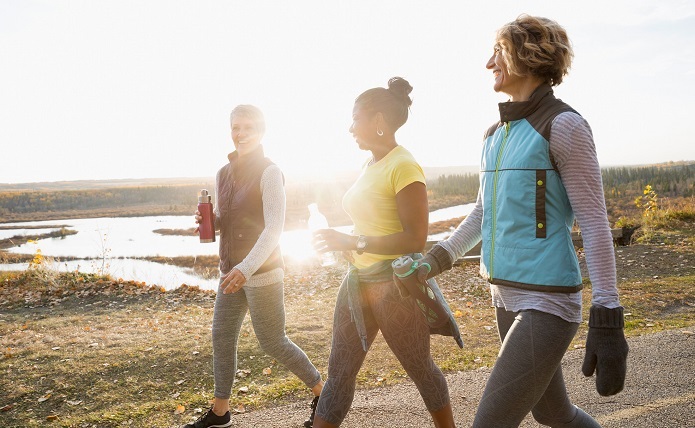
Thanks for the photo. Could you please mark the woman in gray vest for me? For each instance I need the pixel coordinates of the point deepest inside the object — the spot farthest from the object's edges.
(250, 214)
(538, 171)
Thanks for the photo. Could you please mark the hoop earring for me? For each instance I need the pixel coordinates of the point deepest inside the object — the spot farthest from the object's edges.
(379, 132)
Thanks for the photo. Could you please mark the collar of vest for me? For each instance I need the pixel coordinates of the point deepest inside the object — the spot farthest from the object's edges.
(247, 167)
(254, 156)
(515, 110)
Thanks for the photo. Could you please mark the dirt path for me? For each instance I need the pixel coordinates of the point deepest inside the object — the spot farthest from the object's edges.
(659, 392)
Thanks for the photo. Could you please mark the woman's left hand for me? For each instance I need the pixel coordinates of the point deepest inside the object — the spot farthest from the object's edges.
(233, 281)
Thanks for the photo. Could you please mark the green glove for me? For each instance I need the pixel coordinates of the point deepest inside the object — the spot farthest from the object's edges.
(606, 350)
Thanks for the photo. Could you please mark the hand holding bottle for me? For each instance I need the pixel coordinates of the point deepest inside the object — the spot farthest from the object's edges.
(317, 225)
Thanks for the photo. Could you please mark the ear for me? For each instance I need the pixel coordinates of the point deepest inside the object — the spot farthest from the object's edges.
(379, 120)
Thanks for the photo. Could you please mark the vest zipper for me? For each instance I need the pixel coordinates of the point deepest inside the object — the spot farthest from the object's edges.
(507, 127)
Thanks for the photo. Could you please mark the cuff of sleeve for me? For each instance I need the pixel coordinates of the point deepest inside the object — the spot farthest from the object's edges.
(441, 258)
(600, 317)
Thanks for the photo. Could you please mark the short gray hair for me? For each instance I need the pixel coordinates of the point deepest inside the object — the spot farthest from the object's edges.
(252, 112)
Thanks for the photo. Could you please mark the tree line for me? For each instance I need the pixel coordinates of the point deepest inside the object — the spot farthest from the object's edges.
(21, 202)
(673, 179)
(667, 180)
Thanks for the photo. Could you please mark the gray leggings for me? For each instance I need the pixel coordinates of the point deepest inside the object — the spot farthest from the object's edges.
(527, 376)
(406, 333)
(267, 309)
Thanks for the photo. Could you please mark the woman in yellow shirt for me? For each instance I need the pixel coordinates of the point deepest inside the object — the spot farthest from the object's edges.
(388, 206)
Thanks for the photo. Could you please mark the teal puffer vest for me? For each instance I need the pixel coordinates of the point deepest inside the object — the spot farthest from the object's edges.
(527, 217)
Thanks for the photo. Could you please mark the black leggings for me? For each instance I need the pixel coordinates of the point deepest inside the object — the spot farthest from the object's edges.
(527, 376)
(406, 333)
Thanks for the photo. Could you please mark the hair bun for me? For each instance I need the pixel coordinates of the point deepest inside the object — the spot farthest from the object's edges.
(400, 87)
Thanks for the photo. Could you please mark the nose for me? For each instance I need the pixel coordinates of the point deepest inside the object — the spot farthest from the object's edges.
(490, 62)
(351, 128)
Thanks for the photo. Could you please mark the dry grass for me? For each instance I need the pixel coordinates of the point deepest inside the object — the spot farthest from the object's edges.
(96, 352)
(87, 351)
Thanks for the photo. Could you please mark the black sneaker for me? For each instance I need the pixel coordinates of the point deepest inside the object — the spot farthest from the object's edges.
(309, 423)
(211, 420)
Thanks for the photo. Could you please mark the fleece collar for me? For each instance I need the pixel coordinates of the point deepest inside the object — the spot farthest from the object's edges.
(515, 110)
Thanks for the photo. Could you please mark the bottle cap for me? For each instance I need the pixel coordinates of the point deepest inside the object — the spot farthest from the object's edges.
(204, 197)
(403, 266)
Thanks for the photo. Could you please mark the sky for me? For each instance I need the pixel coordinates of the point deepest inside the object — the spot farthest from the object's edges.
(95, 90)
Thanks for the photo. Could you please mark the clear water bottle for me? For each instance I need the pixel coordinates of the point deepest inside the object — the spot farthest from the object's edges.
(316, 222)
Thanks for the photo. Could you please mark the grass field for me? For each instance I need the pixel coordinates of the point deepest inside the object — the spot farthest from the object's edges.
(80, 350)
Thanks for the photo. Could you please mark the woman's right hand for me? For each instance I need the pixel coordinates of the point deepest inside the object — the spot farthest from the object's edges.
(198, 218)
(332, 240)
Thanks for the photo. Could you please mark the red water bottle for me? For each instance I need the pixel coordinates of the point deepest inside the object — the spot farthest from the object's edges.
(206, 227)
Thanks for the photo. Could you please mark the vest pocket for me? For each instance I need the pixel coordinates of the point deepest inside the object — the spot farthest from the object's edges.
(243, 241)
(541, 226)
(246, 234)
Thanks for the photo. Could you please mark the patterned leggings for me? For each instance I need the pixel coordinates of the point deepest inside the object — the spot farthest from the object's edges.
(406, 333)
(527, 376)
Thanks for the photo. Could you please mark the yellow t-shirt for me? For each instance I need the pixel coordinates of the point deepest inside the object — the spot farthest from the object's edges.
(371, 201)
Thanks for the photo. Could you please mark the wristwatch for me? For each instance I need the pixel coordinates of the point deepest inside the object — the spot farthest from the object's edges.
(361, 244)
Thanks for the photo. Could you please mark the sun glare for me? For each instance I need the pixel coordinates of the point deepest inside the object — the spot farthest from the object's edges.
(297, 249)
(296, 246)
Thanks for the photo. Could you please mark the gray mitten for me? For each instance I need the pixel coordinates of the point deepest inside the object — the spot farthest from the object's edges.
(606, 349)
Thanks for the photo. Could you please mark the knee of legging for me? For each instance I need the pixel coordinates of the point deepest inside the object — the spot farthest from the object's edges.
(341, 382)
(274, 344)
(426, 374)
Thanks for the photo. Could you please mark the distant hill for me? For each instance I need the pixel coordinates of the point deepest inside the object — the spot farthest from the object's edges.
(433, 172)
(430, 172)
(105, 184)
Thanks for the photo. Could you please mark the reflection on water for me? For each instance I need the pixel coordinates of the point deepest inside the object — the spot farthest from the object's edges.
(115, 240)
(119, 237)
(167, 276)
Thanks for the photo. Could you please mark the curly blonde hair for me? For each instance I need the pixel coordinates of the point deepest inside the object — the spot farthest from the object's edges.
(536, 46)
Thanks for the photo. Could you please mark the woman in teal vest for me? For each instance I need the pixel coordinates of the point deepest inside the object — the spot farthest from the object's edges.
(538, 172)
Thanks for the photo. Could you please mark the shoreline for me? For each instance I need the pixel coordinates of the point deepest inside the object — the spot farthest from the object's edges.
(197, 263)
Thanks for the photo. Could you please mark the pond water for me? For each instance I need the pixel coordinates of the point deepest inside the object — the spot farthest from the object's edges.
(108, 244)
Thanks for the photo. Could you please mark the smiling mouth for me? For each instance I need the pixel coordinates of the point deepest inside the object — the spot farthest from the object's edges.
(496, 73)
